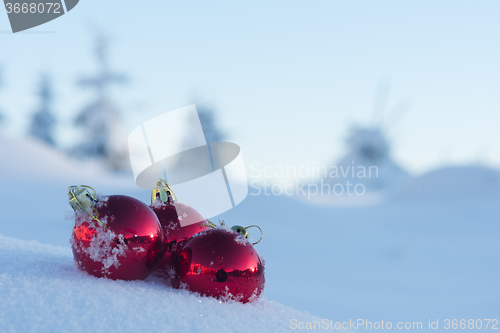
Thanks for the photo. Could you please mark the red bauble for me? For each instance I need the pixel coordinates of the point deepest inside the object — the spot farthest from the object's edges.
(128, 247)
(220, 263)
(171, 214)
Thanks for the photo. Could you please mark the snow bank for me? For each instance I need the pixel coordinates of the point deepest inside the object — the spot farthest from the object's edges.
(41, 290)
(25, 160)
(452, 183)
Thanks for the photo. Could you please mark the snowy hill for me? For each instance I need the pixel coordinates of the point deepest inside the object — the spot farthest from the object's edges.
(32, 160)
(35, 180)
(452, 183)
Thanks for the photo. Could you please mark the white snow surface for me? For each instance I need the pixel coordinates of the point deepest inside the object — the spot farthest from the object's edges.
(42, 291)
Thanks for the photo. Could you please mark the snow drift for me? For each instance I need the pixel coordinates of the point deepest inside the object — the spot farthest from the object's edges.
(42, 291)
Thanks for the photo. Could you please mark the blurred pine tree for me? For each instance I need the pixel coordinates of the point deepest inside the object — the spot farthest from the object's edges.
(43, 121)
(101, 121)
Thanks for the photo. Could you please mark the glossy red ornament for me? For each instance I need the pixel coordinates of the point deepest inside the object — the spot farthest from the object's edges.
(220, 263)
(122, 239)
(179, 223)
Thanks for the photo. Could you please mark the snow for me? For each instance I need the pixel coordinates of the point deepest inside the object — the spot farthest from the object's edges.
(103, 246)
(241, 240)
(427, 250)
(158, 204)
(42, 291)
(453, 183)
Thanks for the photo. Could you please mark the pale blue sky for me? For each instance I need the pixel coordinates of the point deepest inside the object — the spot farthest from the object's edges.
(287, 77)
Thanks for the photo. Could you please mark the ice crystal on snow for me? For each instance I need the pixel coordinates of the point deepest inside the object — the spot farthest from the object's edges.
(105, 246)
(225, 228)
(138, 249)
(241, 240)
(104, 220)
(227, 296)
(81, 217)
(103, 249)
(171, 272)
(172, 225)
(255, 295)
(158, 204)
(69, 214)
(102, 200)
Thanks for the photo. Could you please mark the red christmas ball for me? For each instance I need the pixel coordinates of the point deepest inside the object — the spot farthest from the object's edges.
(121, 240)
(179, 223)
(220, 263)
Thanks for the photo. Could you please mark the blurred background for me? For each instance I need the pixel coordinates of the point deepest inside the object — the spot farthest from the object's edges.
(412, 88)
(302, 72)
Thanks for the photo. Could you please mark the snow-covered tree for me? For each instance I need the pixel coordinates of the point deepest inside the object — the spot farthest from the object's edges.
(43, 121)
(368, 150)
(209, 124)
(368, 160)
(100, 120)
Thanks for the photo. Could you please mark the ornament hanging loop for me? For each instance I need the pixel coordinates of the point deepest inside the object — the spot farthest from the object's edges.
(209, 224)
(163, 191)
(261, 233)
(81, 198)
(243, 231)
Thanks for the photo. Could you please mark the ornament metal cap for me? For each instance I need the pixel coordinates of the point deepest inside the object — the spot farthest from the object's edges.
(81, 198)
(163, 191)
(243, 231)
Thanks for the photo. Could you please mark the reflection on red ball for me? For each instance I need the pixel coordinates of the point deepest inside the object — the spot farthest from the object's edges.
(175, 235)
(129, 248)
(220, 263)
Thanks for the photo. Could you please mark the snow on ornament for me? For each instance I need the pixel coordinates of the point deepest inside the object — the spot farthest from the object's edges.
(221, 263)
(114, 236)
(179, 223)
